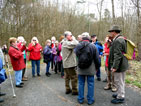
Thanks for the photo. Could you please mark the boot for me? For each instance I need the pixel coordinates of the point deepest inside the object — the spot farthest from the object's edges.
(108, 87)
(114, 89)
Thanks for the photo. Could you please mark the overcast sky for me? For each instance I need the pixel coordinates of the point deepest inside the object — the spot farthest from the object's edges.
(92, 5)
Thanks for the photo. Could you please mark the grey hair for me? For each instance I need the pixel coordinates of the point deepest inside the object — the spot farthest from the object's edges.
(67, 33)
(85, 34)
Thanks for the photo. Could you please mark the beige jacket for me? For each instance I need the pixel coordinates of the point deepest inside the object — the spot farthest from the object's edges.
(68, 55)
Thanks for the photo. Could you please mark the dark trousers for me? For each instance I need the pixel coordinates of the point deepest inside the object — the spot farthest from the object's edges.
(98, 73)
(70, 75)
(23, 71)
(62, 70)
(52, 62)
(58, 66)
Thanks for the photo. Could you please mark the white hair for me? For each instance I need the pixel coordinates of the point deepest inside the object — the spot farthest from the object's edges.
(67, 33)
(34, 38)
(48, 41)
(53, 38)
(21, 39)
(85, 34)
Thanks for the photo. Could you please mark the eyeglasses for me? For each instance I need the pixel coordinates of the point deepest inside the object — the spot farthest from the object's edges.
(34, 40)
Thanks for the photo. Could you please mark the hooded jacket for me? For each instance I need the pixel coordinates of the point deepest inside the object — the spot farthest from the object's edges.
(95, 56)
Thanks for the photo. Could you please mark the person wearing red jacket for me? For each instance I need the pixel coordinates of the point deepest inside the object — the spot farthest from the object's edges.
(110, 75)
(20, 40)
(35, 48)
(17, 60)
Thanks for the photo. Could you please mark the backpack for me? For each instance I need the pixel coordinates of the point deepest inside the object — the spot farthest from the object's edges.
(84, 56)
(131, 52)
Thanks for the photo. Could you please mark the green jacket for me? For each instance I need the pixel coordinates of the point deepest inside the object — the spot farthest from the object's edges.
(116, 58)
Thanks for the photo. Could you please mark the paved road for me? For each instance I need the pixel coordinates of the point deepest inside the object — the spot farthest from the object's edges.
(50, 91)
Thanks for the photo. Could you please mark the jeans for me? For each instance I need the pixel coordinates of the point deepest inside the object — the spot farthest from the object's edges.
(47, 67)
(90, 83)
(98, 73)
(37, 62)
(18, 77)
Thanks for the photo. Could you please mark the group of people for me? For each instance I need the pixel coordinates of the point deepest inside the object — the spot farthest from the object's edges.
(77, 60)
(18, 55)
(85, 54)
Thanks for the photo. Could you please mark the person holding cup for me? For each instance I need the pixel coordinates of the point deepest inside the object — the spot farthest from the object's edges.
(35, 50)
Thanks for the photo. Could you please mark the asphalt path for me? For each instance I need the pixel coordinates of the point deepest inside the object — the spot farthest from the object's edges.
(50, 91)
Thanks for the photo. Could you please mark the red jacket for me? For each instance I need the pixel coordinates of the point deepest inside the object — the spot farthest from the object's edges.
(34, 51)
(16, 57)
(106, 50)
(19, 45)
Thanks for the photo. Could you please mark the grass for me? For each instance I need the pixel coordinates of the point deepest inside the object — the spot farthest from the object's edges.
(133, 75)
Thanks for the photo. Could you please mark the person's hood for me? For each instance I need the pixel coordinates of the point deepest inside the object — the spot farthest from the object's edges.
(83, 44)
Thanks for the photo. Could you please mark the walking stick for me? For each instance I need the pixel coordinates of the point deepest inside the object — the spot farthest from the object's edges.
(14, 95)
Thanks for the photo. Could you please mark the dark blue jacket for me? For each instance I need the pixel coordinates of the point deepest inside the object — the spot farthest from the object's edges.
(47, 52)
(99, 47)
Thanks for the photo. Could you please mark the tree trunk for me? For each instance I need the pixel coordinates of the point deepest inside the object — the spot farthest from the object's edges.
(113, 11)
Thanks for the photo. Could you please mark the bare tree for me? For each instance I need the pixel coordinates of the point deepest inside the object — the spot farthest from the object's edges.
(137, 4)
(113, 11)
(99, 8)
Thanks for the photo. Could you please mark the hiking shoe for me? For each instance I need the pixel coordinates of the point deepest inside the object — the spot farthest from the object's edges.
(114, 96)
(2, 94)
(47, 74)
(107, 87)
(74, 93)
(21, 83)
(98, 79)
(114, 89)
(117, 101)
(68, 91)
(19, 86)
(38, 75)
